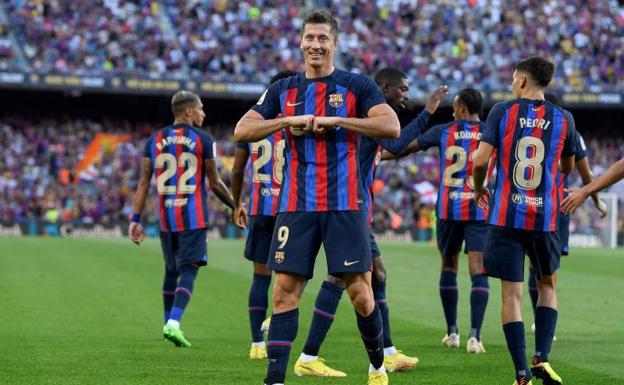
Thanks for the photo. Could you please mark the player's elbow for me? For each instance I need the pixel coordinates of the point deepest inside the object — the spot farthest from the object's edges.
(243, 131)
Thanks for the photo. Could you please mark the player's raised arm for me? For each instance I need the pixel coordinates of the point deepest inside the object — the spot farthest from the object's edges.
(135, 231)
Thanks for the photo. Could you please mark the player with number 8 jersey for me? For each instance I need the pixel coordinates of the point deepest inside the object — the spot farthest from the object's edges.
(534, 138)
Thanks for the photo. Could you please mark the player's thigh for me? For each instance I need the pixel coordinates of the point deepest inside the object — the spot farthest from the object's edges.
(450, 236)
(503, 256)
(346, 239)
(295, 243)
(259, 236)
(544, 251)
(169, 246)
(564, 233)
(192, 248)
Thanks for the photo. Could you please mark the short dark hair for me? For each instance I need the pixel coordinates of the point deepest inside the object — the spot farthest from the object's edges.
(472, 99)
(282, 75)
(389, 76)
(540, 69)
(321, 17)
(183, 100)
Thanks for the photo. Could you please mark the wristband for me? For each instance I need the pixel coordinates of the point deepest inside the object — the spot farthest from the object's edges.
(136, 218)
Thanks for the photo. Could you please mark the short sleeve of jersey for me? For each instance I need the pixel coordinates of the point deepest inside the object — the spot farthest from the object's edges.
(431, 137)
(369, 94)
(490, 134)
(147, 149)
(243, 146)
(581, 149)
(269, 103)
(569, 147)
(209, 145)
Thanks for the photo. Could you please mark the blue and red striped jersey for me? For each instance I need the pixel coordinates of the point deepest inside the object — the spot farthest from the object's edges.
(266, 167)
(177, 153)
(531, 136)
(321, 172)
(370, 155)
(457, 141)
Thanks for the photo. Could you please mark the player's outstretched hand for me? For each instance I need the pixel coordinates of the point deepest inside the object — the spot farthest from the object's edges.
(433, 101)
(239, 217)
(136, 233)
(575, 198)
(483, 198)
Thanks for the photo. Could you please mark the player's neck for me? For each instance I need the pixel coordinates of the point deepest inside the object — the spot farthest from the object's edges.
(182, 121)
(471, 118)
(321, 72)
(533, 95)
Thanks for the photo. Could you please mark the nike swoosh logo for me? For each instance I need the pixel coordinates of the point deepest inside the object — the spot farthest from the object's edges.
(289, 104)
(346, 263)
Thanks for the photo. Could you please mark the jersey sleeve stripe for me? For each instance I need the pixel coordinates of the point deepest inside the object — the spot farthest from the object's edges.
(321, 150)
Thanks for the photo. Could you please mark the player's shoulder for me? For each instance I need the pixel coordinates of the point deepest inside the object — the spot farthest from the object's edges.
(289, 82)
(203, 135)
(352, 80)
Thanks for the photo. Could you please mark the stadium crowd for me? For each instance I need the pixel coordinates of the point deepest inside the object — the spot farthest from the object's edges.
(37, 181)
(470, 42)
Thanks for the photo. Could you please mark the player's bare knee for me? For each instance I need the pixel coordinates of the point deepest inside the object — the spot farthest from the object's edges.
(449, 264)
(363, 302)
(379, 270)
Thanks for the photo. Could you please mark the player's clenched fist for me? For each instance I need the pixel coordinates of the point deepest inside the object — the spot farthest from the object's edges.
(136, 233)
(323, 123)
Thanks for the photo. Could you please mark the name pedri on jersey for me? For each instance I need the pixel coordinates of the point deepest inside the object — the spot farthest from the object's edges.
(177, 153)
(531, 136)
(321, 172)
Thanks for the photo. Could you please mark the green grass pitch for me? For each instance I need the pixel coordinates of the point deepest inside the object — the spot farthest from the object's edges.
(89, 312)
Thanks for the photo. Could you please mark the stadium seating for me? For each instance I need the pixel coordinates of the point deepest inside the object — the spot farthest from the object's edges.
(474, 42)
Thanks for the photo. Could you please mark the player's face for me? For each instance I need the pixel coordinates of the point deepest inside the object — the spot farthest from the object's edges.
(197, 114)
(396, 94)
(519, 82)
(318, 45)
(459, 109)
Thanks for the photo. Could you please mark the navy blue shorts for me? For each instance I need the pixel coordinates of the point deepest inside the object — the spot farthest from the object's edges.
(259, 237)
(564, 233)
(184, 248)
(506, 247)
(373, 245)
(298, 237)
(452, 234)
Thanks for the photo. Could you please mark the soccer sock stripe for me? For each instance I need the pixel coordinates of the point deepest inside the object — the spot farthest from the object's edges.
(379, 292)
(282, 333)
(545, 324)
(183, 291)
(449, 295)
(514, 335)
(323, 316)
(478, 303)
(371, 331)
(258, 302)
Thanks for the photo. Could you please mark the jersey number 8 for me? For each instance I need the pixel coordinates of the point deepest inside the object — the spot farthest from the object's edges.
(533, 163)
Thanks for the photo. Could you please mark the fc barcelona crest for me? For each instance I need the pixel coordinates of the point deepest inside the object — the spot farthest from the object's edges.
(335, 100)
(279, 257)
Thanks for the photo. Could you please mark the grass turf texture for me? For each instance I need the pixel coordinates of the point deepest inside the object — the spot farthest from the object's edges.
(89, 312)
